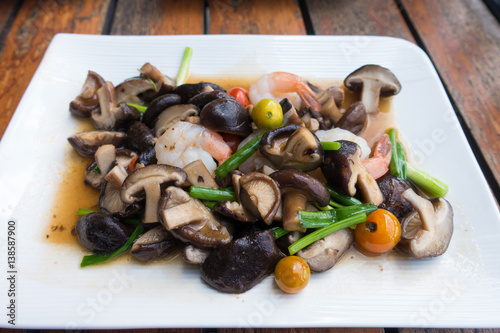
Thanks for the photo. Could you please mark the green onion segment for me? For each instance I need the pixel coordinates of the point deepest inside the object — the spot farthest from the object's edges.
(239, 157)
(321, 219)
(279, 232)
(340, 198)
(140, 108)
(212, 194)
(183, 70)
(429, 184)
(85, 211)
(330, 145)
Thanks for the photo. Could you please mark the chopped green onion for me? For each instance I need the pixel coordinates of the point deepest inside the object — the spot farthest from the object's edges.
(209, 204)
(85, 211)
(402, 160)
(279, 232)
(140, 108)
(239, 157)
(429, 184)
(335, 204)
(212, 194)
(96, 170)
(325, 231)
(342, 199)
(394, 166)
(99, 258)
(323, 218)
(326, 208)
(345, 212)
(330, 145)
(183, 70)
(154, 84)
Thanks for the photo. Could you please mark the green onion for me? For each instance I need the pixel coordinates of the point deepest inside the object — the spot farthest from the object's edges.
(85, 211)
(345, 212)
(239, 157)
(209, 204)
(326, 208)
(140, 108)
(431, 185)
(96, 170)
(330, 145)
(212, 194)
(402, 160)
(335, 204)
(325, 231)
(342, 199)
(154, 84)
(323, 218)
(99, 258)
(279, 232)
(394, 166)
(183, 70)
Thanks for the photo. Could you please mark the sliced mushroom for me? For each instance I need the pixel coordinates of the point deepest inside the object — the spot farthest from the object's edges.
(195, 255)
(146, 183)
(331, 100)
(190, 220)
(105, 157)
(110, 201)
(324, 253)
(235, 211)
(292, 147)
(297, 188)
(87, 143)
(290, 116)
(83, 105)
(189, 90)
(344, 170)
(171, 115)
(426, 231)
(226, 115)
(392, 189)
(198, 175)
(260, 195)
(139, 137)
(101, 233)
(163, 83)
(155, 244)
(206, 97)
(157, 106)
(128, 91)
(373, 81)
(354, 119)
(285, 241)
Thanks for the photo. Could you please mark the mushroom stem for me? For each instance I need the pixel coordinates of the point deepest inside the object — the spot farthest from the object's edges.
(370, 95)
(293, 201)
(423, 206)
(153, 194)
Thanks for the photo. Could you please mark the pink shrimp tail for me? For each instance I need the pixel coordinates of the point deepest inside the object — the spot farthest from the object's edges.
(378, 165)
(293, 83)
(309, 97)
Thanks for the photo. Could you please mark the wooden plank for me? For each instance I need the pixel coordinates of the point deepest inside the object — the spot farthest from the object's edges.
(6, 9)
(304, 330)
(280, 17)
(358, 17)
(463, 40)
(157, 17)
(35, 25)
(447, 330)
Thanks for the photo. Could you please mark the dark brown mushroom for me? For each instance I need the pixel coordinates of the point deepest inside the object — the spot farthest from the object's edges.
(83, 105)
(260, 195)
(87, 143)
(392, 189)
(226, 115)
(235, 211)
(157, 106)
(354, 119)
(139, 137)
(292, 147)
(189, 90)
(373, 81)
(345, 171)
(204, 98)
(145, 183)
(297, 188)
(290, 116)
(154, 244)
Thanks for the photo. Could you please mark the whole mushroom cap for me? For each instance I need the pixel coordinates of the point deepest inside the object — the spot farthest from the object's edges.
(295, 180)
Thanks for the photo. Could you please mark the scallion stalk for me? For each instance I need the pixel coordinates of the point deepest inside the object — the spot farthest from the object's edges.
(342, 199)
(319, 219)
(325, 231)
(429, 184)
(330, 145)
(209, 204)
(85, 211)
(402, 160)
(239, 157)
(212, 194)
(279, 232)
(140, 108)
(183, 70)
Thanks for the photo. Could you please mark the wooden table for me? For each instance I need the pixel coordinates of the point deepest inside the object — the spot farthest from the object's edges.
(462, 37)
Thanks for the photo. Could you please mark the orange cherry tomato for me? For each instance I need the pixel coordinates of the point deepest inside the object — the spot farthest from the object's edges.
(240, 94)
(292, 274)
(379, 233)
(232, 141)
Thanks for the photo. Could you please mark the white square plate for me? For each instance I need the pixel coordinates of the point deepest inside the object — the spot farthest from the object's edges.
(459, 289)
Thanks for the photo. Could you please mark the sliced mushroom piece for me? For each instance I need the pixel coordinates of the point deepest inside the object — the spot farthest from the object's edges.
(189, 90)
(194, 255)
(163, 83)
(155, 244)
(128, 90)
(157, 106)
(198, 175)
(139, 137)
(354, 119)
(285, 241)
(343, 169)
(426, 231)
(116, 176)
(170, 116)
(83, 105)
(226, 115)
(96, 171)
(101, 233)
(290, 116)
(110, 201)
(235, 211)
(260, 195)
(392, 189)
(373, 81)
(297, 188)
(146, 183)
(189, 220)
(87, 143)
(331, 100)
(324, 253)
(240, 265)
(292, 147)
(148, 157)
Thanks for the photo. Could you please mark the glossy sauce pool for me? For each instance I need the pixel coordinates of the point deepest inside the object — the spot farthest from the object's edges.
(72, 193)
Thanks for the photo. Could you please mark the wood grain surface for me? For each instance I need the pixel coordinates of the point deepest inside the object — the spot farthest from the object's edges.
(6, 8)
(446, 330)
(358, 17)
(158, 17)
(279, 17)
(463, 39)
(34, 27)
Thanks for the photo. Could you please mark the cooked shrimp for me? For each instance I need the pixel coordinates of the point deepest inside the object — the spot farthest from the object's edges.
(336, 134)
(378, 165)
(185, 142)
(279, 85)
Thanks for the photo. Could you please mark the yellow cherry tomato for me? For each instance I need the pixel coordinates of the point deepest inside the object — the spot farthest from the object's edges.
(380, 233)
(292, 274)
(267, 114)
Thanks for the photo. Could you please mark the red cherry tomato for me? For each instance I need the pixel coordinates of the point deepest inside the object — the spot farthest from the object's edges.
(232, 141)
(380, 233)
(292, 274)
(240, 94)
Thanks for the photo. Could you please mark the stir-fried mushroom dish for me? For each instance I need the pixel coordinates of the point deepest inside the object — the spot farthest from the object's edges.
(279, 178)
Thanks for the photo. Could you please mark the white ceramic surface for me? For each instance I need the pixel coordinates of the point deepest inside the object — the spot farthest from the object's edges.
(458, 289)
